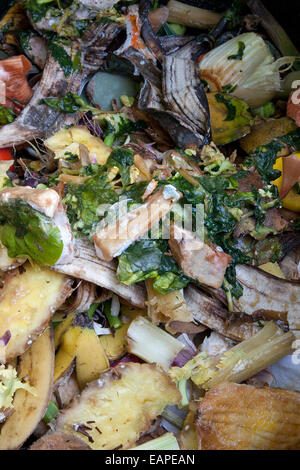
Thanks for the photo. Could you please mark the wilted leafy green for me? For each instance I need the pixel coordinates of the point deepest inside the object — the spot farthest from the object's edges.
(264, 157)
(27, 233)
(70, 103)
(223, 203)
(231, 109)
(38, 8)
(122, 159)
(117, 125)
(61, 56)
(83, 201)
(146, 259)
(6, 115)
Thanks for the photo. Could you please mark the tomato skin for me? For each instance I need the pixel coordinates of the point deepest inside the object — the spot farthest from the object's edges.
(5, 154)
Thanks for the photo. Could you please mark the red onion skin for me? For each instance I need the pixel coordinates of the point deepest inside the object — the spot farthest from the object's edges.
(185, 355)
(5, 338)
(127, 358)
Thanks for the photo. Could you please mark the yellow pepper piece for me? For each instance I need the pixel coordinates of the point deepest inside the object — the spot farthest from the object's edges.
(292, 200)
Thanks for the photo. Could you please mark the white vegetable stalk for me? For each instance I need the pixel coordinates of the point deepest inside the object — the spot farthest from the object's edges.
(255, 77)
(115, 306)
(152, 344)
(166, 442)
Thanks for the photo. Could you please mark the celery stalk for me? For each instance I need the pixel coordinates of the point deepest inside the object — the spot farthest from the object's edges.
(166, 442)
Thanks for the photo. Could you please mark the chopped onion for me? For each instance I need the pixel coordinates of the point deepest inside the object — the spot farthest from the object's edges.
(5, 338)
(188, 343)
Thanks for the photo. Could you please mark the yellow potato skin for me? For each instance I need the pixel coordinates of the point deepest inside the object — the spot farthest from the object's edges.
(122, 403)
(91, 359)
(61, 329)
(67, 352)
(82, 345)
(98, 151)
(292, 200)
(115, 346)
(29, 299)
(36, 366)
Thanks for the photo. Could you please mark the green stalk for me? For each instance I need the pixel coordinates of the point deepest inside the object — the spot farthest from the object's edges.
(183, 388)
(166, 442)
(92, 309)
(109, 139)
(114, 322)
(273, 28)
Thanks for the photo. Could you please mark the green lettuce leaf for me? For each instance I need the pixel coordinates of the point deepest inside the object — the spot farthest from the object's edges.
(28, 233)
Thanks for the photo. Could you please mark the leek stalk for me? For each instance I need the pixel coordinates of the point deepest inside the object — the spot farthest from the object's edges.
(240, 362)
(166, 442)
(152, 344)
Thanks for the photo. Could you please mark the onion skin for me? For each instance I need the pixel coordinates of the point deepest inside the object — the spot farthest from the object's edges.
(13, 72)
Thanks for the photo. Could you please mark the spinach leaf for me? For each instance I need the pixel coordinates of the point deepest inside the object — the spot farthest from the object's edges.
(24, 37)
(146, 259)
(38, 8)
(264, 157)
(228, 88)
